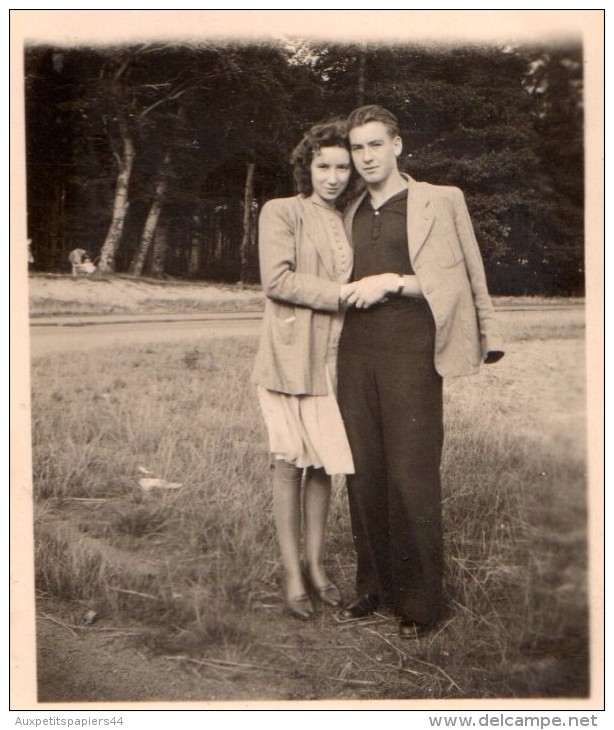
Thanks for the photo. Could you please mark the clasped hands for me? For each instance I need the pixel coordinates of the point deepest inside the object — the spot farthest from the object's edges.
(369, 290)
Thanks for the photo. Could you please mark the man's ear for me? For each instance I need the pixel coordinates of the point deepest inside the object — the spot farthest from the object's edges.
(398, 145)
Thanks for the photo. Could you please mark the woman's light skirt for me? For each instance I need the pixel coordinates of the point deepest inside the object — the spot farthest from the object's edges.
(307, 430)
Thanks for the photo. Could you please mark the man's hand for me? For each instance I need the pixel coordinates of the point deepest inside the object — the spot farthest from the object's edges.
(493, 356)
(369, 290)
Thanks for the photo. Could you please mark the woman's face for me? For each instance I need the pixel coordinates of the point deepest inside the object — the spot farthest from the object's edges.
(330, 173)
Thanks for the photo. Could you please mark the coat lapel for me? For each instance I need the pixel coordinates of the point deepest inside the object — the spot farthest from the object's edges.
(420, 216)
(315, 229)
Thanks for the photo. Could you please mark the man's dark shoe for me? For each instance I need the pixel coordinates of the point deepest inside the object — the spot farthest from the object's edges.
(410, 629)
(361, 607)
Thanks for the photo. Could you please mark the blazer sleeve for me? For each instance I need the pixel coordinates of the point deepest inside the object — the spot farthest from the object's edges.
(278, 230)
(492, 345)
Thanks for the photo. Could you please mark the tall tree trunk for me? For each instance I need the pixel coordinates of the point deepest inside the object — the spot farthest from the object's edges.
(196, 245)
(56, 226)
(247, 220)
(158, 257)
(151, 222)
(120, 205)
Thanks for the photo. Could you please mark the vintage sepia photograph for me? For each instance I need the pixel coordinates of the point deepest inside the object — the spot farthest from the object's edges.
(301, 303)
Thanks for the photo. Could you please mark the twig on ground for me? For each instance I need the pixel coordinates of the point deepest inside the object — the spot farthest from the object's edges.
(381, 665)
(87, 499)
(68, 627)
(219, 677)
(403, 656)
(437, 668)
(285, 653)
(221, 663)
(396, 649)
(312, 647)
(443, 627)
(478, 618)
(134, 593)
(121, 631)
(225, 664)
(359, 623)
(474, 578)
(111, 628)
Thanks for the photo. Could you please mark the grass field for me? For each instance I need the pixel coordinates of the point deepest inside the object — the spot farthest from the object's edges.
(194, 571)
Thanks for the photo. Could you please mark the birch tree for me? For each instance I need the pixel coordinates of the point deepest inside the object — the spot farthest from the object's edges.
(131, 93)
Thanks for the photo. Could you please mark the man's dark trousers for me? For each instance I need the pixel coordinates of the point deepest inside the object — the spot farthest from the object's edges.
(390, 397)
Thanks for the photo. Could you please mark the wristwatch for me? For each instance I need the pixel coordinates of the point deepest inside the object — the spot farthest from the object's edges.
(401, 285)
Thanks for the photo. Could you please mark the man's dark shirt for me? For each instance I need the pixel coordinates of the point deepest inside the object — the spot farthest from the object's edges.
(380, 238)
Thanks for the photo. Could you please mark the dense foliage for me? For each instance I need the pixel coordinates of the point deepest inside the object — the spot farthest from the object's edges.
(156, 158)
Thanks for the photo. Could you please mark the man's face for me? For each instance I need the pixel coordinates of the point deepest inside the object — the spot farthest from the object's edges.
(374, 152)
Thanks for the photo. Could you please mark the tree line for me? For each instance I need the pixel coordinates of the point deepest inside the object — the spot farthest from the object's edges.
(157, 157)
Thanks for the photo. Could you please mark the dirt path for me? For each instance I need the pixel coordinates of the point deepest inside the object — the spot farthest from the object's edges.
(52, 340)
(85, 332)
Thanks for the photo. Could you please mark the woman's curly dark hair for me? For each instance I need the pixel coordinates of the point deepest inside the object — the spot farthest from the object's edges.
(331, 133)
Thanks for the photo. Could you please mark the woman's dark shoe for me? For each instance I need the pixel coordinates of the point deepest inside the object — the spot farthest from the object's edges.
(300, 607)
(410, 629)
(361, 607)
(328, 594)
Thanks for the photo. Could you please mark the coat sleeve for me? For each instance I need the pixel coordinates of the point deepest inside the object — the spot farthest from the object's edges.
(492, 345)
(278, 230)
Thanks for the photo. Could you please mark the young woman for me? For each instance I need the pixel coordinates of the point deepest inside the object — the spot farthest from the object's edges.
(305, 262)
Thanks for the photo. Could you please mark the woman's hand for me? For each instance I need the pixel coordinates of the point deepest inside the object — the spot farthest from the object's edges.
(374, 289)
(345, 291)
(371, 290)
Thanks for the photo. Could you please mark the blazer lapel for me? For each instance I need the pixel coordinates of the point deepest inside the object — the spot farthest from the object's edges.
(420, 216)
(315, 229)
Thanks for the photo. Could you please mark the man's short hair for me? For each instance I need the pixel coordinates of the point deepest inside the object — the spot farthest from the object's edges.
(374, 113)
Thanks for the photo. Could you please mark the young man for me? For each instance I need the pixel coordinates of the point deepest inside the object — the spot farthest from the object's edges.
(421, 312)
